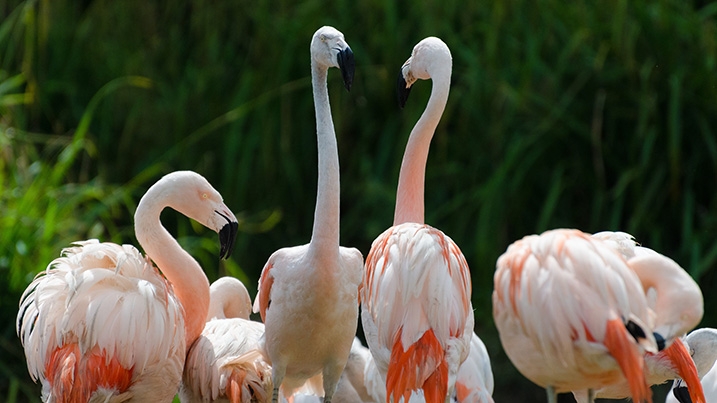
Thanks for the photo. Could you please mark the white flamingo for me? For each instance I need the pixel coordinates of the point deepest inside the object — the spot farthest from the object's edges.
(102, 324)
(416, 293)
(308, 295)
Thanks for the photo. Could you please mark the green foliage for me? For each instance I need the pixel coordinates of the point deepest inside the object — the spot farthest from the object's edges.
(594, 115)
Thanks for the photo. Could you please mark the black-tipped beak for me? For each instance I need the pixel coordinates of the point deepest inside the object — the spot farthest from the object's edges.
(347, 66)
(402, 90)
(660, 341)
(227, 237)
(682, 394)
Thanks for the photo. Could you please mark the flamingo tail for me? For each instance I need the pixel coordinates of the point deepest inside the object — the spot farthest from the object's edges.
(420, 366)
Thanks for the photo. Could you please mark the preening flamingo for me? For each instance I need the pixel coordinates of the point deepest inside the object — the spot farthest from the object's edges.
(416, 292)
(680, 298)
(308, 295)
(102, 324)
(228, 335)
(702, 344)
(570, 314)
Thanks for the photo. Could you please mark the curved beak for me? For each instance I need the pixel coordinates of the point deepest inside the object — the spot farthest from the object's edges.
(402, 88)
(347, 65)
(227, 237)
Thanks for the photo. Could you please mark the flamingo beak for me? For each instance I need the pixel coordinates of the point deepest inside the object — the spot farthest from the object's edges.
(347, 65)
(227, 237)
(678, 354)
(402, 87)
(681, 393)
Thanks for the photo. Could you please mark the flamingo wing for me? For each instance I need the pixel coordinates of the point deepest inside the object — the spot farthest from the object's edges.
(102, 313)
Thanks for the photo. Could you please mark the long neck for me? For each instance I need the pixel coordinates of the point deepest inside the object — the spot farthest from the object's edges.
(325, 234)
(190, 284)
(409, 196)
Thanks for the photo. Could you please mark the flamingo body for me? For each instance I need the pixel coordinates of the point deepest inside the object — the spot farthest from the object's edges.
(416, 309)
(561, 303)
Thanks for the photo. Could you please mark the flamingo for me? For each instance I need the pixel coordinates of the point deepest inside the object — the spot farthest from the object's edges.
(102, 324)
(308, 294)
(228, 335)
(703, 345)
(564, 343)
(673, 361)
(416, 292)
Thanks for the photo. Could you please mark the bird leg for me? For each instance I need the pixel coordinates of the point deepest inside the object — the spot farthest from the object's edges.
(552, 396)
(591, 396)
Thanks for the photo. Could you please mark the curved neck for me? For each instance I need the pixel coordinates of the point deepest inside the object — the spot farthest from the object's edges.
(325, 234)
(190, 284)
(409, 195)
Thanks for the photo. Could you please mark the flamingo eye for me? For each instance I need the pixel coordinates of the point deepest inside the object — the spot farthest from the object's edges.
(205, 196)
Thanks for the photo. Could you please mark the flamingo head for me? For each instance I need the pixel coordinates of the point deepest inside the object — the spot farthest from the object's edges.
(427, 57)
(192, 195)
(329, 49)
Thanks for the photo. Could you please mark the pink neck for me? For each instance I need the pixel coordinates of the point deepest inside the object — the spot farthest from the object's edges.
(189, 282)
(410, 192)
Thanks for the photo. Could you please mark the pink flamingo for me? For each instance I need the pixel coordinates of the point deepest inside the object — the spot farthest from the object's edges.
(224, 363)
(308, 295)
(416, 291)
(102, 324)
(572, 313)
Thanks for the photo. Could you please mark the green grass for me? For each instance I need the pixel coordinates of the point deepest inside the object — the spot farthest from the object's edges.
(595, 115)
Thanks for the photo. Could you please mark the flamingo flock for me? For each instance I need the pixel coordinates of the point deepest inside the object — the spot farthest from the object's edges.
(597, 315)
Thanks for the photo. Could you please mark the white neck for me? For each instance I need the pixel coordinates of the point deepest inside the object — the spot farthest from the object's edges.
(410, 192)
(189, 282)
(325, 234)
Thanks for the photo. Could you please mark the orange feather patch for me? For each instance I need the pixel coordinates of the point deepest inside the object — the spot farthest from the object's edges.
(680, 357)
(74, 378)
(421, 366)
(623, 349)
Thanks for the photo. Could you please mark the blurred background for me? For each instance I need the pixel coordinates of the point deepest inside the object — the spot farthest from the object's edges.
(597, 115)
